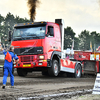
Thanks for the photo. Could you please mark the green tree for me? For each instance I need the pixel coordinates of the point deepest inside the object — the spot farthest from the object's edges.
(21, 20)
(69, 35)
(1, 26)
(8, 24)
(84, 40)
(1, 19)
(95, 39)
(76, 43)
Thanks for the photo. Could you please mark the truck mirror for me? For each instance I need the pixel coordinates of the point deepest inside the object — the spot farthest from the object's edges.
(9, 35)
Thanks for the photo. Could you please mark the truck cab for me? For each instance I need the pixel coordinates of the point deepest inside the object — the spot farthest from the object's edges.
(36, 44)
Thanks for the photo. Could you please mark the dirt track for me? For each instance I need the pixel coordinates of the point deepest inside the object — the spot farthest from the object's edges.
(40, 87)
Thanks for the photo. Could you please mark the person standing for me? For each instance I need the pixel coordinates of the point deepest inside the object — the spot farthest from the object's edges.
(8, 65)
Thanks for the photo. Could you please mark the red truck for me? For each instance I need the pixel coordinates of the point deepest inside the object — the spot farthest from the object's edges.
(39, 46)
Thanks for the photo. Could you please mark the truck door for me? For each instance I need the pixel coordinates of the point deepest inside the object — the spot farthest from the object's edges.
(50, 41)
(58, 39)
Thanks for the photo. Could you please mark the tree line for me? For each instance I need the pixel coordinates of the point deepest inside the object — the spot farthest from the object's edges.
(85, 41)
(7, 23)
(82, 42)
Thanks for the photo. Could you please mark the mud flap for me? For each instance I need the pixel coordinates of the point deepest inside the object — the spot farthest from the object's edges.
(89, 66)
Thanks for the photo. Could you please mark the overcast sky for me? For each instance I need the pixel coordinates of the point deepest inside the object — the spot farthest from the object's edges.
(78, 14)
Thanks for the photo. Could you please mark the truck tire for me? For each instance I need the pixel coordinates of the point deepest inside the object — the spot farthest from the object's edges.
(78, 71)
(54, 69)
(21, 72)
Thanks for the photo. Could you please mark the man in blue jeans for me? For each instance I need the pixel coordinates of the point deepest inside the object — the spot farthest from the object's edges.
(8, 65)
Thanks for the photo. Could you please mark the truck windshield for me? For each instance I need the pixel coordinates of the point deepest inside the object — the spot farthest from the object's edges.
(28, 33)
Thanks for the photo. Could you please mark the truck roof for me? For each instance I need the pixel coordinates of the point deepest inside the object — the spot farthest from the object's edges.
(33, 24)
(29, 24)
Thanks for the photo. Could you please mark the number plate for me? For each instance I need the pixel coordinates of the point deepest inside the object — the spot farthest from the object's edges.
(27, 65)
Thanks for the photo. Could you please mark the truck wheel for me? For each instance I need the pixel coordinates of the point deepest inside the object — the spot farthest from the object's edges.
(54, 69)
(78, 71)
(21, 72)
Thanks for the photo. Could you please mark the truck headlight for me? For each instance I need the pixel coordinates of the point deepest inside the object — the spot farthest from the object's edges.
(41, 57)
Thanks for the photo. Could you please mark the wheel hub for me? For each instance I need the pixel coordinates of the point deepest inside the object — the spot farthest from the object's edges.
(78, 72)
(55, 68)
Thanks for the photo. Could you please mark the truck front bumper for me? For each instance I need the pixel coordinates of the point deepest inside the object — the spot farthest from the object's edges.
(31, 64)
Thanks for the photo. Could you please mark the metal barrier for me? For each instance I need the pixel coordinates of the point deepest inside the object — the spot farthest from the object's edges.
(1, 60)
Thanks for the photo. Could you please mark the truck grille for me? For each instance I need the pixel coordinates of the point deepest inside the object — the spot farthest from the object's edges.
(29, 51)
(27, 59)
